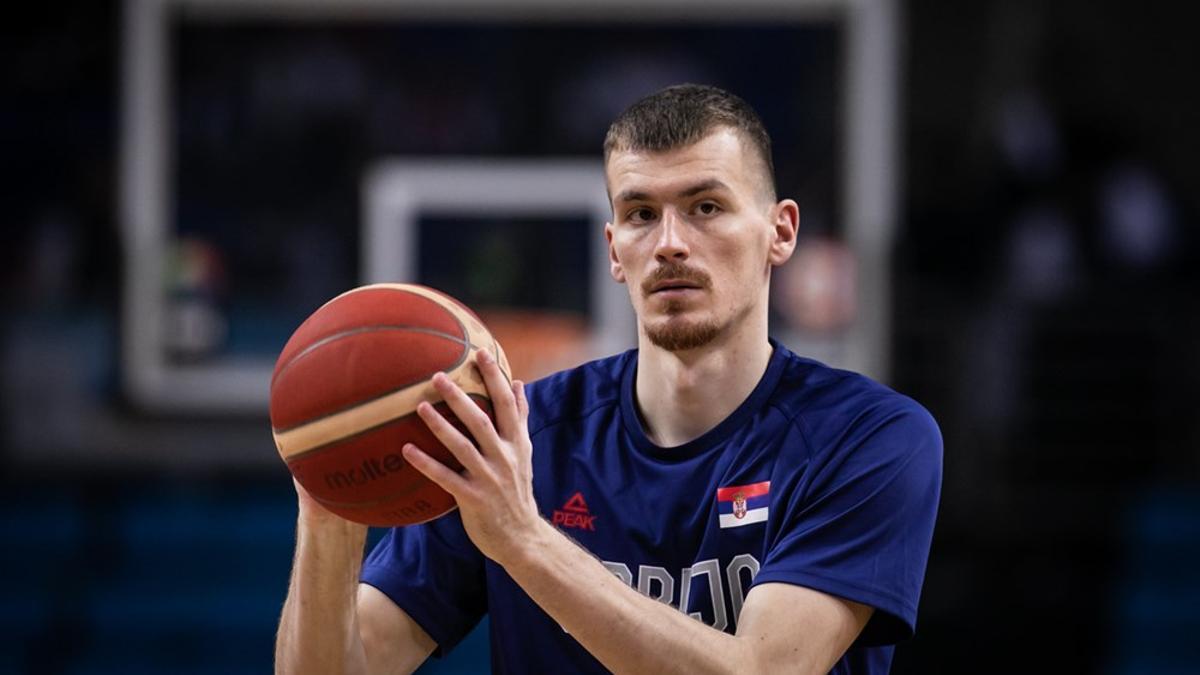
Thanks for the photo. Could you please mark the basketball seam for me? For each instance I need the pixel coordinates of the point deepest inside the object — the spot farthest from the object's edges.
(394, 420)
(461, 359)
(453, 507)
(461, 328)
(366, 329)
(467, 346)
(403, 492)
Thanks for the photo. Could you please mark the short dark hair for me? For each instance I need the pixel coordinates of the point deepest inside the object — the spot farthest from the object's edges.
(684, 114)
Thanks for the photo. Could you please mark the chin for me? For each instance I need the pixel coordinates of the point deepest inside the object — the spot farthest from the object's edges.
(678, 335)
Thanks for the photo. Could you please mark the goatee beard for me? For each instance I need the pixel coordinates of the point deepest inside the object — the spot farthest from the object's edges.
(678, 335)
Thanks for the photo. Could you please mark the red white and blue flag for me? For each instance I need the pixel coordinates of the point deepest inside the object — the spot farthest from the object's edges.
(739, 505)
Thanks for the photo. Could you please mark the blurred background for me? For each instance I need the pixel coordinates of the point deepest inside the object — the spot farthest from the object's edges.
(1012, 242)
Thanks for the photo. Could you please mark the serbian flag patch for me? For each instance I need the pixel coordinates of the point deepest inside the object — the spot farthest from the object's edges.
(740, 505)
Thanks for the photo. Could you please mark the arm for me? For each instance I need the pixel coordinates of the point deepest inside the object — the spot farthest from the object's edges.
(330, 622)
(782, 627)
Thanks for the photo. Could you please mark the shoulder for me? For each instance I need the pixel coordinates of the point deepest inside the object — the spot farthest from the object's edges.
(835, 408)
(574, 393)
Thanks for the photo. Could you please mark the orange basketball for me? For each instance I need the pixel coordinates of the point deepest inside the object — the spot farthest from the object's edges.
(345, 391)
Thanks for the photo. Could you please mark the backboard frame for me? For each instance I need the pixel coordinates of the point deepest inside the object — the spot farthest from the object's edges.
(240, 385)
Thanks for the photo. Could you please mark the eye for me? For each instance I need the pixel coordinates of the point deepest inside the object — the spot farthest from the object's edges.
(641, 214)
(708, 208)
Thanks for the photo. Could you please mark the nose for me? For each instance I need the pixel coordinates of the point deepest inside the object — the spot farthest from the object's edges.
(671, 244)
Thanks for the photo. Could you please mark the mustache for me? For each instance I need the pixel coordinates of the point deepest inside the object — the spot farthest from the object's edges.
(676, 271)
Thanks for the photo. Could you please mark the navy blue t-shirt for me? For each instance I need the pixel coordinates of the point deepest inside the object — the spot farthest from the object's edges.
(821, 478)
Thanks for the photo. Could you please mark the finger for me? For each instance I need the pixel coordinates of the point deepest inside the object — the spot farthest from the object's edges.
(504, 404)
(468, 412)
(434, 470)
(458, 444)
(518, 388)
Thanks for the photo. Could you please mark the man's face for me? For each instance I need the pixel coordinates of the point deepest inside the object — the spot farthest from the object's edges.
(694, 235)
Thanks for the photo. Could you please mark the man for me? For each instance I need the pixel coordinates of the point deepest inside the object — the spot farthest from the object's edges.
(785, 506)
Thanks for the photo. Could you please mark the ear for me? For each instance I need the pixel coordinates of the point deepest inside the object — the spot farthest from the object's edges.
(614, 264)
(785, 221)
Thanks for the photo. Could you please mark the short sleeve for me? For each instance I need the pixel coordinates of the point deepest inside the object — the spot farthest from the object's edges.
(858, 525)
(435, 574)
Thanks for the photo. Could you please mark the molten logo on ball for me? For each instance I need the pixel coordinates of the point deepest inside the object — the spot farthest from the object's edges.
(371, 469)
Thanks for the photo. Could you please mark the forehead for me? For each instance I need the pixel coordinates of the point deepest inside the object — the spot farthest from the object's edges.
(720, 155)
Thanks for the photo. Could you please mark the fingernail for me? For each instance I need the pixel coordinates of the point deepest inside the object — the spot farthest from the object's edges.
(484, 356)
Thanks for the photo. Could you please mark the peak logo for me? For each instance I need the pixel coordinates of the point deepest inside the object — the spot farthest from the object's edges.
(575, 514)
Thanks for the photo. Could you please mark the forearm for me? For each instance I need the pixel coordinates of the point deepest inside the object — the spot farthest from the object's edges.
(318, 631)
(623, 629)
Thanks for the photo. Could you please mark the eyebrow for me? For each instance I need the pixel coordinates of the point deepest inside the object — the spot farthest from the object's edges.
(703, 186)
(690, 191)
(631, 196)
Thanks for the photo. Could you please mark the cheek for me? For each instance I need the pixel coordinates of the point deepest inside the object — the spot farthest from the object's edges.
(756, 250)
(630, 252)
(743, 264)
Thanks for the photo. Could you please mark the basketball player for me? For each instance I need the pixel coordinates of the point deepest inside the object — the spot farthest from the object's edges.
(708, 502)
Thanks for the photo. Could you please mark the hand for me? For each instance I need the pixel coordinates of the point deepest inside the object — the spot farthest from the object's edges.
(495, 489)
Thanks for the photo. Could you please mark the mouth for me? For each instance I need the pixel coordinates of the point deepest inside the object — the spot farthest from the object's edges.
(670, 285)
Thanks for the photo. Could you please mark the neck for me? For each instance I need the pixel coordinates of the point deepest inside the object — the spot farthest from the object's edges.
(683, 395)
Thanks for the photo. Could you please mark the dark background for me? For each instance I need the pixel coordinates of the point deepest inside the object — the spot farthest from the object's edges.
(1044, 289)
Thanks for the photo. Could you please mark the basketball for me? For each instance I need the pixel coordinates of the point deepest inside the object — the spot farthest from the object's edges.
(344, 396)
